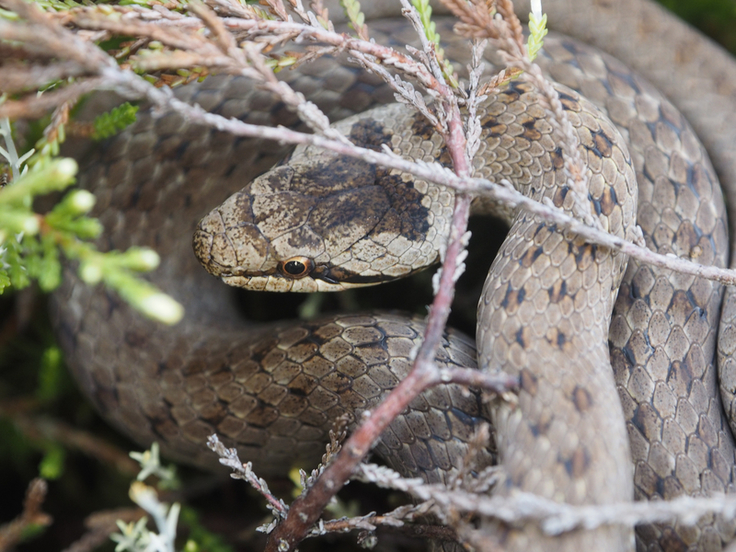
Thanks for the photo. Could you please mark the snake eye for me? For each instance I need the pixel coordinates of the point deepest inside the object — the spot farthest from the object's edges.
(296, 267)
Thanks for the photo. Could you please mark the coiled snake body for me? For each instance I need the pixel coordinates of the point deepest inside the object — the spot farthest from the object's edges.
(276, 392)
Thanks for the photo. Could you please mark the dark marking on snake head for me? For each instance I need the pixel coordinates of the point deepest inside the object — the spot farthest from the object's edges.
(334, 175)
(582, 399)
(528, 382)
(406, 202)
(513, 299)
(578, 463)
(352, 199)
(530, 255)
(558, 291)
(370, 134)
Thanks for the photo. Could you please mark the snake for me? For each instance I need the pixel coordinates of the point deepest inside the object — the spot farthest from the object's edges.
(275, 390)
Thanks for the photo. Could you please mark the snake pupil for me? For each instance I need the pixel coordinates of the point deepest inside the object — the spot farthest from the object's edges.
(294, 268)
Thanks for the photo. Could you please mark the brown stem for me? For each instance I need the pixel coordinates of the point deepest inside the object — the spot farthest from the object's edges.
(306, 509)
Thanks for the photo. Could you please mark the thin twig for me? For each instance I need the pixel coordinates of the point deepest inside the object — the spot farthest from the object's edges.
(32, 515)
(554, 517)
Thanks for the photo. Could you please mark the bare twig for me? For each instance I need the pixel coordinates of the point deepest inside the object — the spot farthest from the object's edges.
(554, 517)
(12, 533)
(244, 471)
(100, 525)
(38, 106)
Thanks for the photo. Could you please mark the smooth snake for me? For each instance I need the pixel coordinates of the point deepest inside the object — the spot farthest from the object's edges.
(679, 438)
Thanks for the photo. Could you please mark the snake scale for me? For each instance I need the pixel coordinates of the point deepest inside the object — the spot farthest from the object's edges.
(275, 391)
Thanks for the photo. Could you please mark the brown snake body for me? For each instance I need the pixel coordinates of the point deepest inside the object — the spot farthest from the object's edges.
(180, 391)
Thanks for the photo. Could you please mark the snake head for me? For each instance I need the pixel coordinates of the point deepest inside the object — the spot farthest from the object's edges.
(323, 222)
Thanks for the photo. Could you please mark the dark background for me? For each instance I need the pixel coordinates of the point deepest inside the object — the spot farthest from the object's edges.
(47, 426)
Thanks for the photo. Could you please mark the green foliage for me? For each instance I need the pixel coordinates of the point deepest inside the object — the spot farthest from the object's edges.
(200, 538)
(537, 32)
(425, 14)
(27, 253)
(716, 18)
(110, 123)
(353, 13)
(50, 375)
(58, 5)
(31, 531)
(30, 243)
(8, 15)
(52, 464)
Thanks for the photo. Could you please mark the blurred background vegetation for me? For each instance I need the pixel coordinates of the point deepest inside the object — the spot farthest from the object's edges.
(47, 428)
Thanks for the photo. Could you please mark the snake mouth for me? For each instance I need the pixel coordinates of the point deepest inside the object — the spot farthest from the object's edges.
(338, 275)
(322, 278)
(276, 283)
